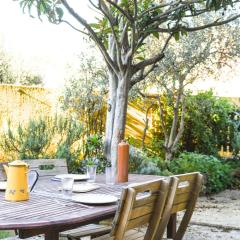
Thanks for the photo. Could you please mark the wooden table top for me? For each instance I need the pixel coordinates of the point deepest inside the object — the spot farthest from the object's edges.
(47, 208)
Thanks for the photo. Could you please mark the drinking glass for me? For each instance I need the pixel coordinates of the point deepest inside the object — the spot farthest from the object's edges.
(67, 186)
(91, 173)
(110, 175)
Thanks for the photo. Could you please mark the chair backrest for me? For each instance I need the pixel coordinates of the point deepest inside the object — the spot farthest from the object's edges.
(189, 186)
(48, 167)
(141, 204)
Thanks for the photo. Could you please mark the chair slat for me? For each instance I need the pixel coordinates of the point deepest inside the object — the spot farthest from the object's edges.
(56, 166)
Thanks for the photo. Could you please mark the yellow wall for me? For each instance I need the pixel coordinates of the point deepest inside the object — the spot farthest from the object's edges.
(19, 103)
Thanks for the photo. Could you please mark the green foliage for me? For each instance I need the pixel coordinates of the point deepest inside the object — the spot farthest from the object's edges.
(29, 79)
(207, 123)
(43, 138)
(217, 174)
(93, 154)
(140, 163)
(84, 95)
(6, 73)
(235, 120)
(235, 165)
(94, 146)
(4, 234)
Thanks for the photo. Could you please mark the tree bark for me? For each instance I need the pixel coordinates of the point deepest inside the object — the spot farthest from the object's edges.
(110, 114)
(118, 118)
(169, 155)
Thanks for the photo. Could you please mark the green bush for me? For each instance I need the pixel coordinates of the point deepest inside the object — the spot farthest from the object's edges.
(207, 123)
(208, 126)
(235, 165)
(140, 163)
(44, 137)
(217, 174)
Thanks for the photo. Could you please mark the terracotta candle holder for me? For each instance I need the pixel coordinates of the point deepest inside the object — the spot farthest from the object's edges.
(123, 158)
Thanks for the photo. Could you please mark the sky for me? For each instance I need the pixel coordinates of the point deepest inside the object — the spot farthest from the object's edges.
(47, 49)
(39, 46)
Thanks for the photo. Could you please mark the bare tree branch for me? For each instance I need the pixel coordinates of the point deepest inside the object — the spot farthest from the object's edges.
(68, 23)
(163, 122)
(193, 29)
(92, 34)
(181, 125)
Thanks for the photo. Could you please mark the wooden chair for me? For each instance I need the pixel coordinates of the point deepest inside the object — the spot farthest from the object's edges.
(48, 167)
(185, 198)
(142, 205)
(189, 187)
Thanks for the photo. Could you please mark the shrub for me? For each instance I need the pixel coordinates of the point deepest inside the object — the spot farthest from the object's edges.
(56, 137)
(207, 123)
(140, 163)
(208, 126)
(217, 174)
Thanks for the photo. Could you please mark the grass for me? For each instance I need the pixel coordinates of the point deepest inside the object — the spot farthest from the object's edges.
(4, 234)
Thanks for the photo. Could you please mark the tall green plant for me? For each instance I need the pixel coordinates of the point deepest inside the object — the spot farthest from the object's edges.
(30, 141)
(45, 137)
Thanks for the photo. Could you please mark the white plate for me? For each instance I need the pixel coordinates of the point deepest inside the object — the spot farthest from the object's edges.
(95, 199)
(76, 177)
(85, 187)
(3, 186)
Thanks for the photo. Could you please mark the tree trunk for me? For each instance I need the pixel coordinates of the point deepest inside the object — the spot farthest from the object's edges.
(116, 116)
(110, 114)
(168, 155)
(119, 119)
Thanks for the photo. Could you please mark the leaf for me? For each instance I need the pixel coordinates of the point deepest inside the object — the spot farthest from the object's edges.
(176, 35)
(59, 12)
(141, 58)
(156, 34)
(95, 25)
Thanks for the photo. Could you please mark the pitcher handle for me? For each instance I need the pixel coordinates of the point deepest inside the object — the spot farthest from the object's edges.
(32, 179)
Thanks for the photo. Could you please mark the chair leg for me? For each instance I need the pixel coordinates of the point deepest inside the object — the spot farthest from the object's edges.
(171, 228)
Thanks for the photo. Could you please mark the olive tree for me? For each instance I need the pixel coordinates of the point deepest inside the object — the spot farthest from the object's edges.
(197, 56)
(85, 93)
(121, 30)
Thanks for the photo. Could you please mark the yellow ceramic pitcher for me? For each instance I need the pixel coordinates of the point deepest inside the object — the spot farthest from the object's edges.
(17, 181)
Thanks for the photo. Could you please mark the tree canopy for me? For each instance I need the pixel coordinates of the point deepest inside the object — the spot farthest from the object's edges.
(121, 30)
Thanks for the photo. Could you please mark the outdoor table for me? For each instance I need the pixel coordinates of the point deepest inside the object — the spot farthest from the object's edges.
(48, 213)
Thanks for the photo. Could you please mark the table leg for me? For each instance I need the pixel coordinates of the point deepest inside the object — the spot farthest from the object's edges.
(51, 235)
(172, 226)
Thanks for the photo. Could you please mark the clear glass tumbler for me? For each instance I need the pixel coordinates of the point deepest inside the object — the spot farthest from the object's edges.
(91, 173)
(67, 186)
(110, 175)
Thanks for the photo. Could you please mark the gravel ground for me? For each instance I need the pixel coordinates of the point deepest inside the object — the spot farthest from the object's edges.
(216, 217)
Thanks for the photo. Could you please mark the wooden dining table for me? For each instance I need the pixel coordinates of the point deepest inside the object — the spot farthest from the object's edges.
(48, 212)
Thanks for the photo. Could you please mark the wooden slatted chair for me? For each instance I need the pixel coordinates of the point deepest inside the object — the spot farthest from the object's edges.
(136, 210)
(97, 230)
(187, 192)
(189, 187)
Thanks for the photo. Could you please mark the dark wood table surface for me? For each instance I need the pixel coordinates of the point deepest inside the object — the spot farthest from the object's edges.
(47, 212)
